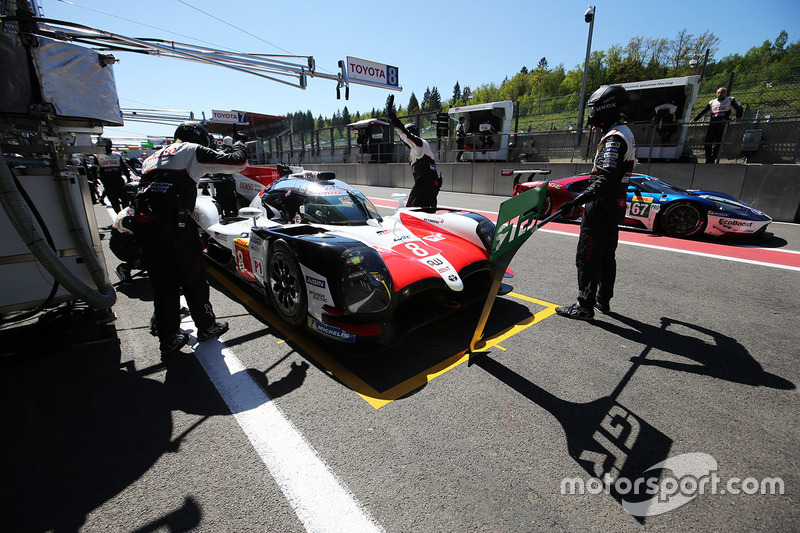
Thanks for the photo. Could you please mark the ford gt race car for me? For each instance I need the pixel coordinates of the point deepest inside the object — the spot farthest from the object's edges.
(657, 206)
(328, 261)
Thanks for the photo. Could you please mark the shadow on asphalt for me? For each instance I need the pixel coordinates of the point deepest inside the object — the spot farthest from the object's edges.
(724, 358)
(607, 439)
(80, 426)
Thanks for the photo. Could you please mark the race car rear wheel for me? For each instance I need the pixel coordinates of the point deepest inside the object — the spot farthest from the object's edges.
(285, 284)
(682, 219)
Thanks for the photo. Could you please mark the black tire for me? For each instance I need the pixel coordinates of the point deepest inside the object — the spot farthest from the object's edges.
(682, 219)
(285, 285)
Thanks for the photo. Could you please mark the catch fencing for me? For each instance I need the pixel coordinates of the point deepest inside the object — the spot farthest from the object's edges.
(544, 130)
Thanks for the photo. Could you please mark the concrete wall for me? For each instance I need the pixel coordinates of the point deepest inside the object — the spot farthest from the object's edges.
(774, 189)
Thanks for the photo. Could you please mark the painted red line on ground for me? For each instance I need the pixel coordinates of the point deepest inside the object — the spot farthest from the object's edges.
(747, 253)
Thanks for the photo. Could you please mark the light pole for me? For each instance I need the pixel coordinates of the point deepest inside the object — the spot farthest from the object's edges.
(589, 18)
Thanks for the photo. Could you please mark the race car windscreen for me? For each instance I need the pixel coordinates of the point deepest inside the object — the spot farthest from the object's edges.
(657, 186)
(346, 207)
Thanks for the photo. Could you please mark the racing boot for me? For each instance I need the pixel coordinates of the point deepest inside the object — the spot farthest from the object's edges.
(575, 311)
(172, 346)
(216, 329)
(603, 307)
(124, 274)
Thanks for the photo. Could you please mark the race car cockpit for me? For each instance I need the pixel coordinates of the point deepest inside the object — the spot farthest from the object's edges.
(299, 199)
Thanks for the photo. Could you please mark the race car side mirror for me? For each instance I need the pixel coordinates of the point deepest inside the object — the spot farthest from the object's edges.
(250, 212)
(400, 198)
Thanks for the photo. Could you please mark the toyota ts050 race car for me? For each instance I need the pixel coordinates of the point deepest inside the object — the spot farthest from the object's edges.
(328, 261)
(657, 206)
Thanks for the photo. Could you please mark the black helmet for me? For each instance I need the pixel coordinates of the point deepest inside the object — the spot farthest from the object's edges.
(192, 132)
(606, 104)
(129, 190)
(413, 129)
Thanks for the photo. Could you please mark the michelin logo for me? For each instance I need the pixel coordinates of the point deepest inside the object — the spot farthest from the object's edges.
(331, 331)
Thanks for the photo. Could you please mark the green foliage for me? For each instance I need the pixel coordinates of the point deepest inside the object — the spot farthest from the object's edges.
(413, 104)
(456, 93)
(642, 58)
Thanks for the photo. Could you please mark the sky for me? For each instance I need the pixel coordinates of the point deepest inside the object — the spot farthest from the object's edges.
(434, 43)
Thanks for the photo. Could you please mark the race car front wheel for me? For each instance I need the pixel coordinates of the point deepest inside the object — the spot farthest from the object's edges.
(682, 219)
(286, 288)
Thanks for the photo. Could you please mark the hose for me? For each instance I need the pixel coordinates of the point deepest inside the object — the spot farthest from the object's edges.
(101, 298)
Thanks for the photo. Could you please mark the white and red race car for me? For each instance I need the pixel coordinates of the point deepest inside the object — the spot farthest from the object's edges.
(328, 261)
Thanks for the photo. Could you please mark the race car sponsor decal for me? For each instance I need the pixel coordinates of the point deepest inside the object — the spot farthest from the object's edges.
(733, 225)
(332, 332)
(640, 206)
(434, 237)
(249, 186)
(242, 255)
(258, 269)
(318, 291)
(220, 237)
(433, 259)
(315, 282)
(256, 254)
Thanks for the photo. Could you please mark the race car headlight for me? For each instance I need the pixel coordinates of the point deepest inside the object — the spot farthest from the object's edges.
(733, 209)
(366, 282)
(485, 232)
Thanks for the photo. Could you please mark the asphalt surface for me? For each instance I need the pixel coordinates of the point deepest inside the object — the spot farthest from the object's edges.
(698, 357)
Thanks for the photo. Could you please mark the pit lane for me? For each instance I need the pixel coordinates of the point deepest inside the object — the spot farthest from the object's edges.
(700, 352)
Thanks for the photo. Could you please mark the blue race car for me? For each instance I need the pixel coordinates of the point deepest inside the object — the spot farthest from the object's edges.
(657, 206)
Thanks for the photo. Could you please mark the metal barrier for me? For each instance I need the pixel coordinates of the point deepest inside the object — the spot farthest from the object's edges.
(545, 130)
(775, 142)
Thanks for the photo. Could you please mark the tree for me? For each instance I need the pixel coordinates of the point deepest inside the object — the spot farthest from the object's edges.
(456, 93)
(413, 105)
(467, 94)
(434, 101)
(680, 49)
(426, 98)
(346, 116)
(642, 58)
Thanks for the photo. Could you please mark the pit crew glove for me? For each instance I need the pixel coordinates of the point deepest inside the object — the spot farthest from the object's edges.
(390, 110)
(567, 208)
(240, 136)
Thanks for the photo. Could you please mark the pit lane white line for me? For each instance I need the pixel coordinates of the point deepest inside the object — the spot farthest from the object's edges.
(321, 502)
(677, 250)
(691, 252)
